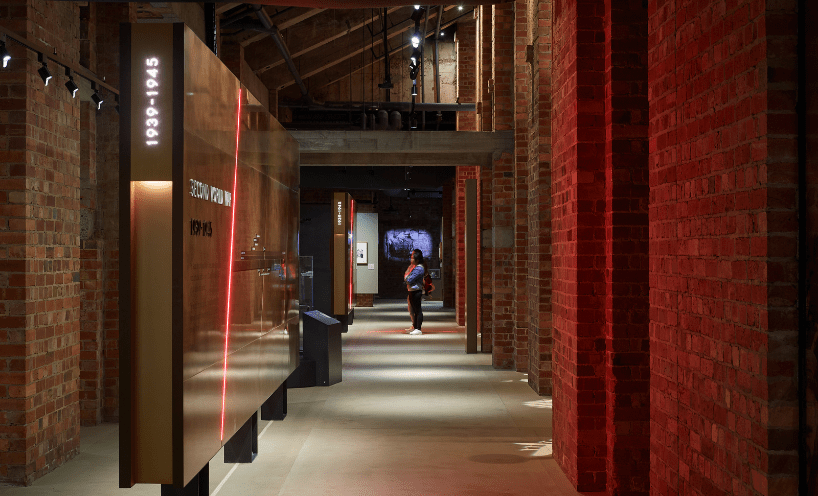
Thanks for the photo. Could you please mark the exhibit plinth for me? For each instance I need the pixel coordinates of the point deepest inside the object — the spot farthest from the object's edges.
(322, 343)
(243, 446)
(275, 408)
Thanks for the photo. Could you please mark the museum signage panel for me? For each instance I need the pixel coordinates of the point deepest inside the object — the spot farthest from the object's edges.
(343, 253)
(209, 255)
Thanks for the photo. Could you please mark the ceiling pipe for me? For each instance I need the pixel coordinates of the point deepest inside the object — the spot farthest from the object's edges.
(401, 106)
(275, 34)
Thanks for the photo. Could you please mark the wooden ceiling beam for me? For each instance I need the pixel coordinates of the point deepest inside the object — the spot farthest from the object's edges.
(283, 21)
(335, 74)
(310, 36)
(339, 51)
(224, 7)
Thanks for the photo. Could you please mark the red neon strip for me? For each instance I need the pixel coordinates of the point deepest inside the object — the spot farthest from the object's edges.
(230, 268)
(352, 251)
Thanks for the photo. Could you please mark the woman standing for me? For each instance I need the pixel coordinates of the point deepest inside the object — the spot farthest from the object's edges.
(414, 284)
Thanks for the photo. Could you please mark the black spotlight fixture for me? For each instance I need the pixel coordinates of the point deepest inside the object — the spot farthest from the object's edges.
(95, 96)
(414, 64)
(4, 53)
(43, 71)
(70, 84)
(414, 88)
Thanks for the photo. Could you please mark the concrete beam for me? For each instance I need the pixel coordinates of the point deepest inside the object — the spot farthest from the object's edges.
(391, 148)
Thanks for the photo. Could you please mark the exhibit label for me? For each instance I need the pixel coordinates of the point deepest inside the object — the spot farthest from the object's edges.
(213, 194)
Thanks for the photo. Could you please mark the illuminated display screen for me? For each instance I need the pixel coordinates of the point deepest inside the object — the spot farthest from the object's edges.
(399, 243)
(152, 114)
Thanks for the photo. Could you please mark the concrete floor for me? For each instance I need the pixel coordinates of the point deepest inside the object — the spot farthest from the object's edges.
(414, 415)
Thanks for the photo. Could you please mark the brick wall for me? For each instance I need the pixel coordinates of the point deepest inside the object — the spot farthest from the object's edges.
(448, 262)
(578, 236)
(722, 243)
(39, 246)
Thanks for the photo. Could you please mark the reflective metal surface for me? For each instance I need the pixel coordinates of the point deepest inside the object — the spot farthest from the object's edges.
(234, 224)
(262, 278)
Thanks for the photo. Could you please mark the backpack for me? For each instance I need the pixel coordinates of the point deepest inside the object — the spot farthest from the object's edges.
(428, 287)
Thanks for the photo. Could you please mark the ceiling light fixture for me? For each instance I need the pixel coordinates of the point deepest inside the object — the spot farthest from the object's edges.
(95, 97)
(4, 53)
(70, 84)
(43, 71)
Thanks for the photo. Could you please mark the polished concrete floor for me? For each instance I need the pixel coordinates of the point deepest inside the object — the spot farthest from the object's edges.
(414, 415)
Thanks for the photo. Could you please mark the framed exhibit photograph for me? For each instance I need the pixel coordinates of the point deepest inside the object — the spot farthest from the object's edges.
(361, 254)
(434, 273)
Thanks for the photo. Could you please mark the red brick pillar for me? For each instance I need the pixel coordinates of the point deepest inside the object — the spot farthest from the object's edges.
(502, 181)
(448, 244)
(524, 128)
(485, 65)
(723, 245)
(578, 223)
(467, 72)
(627, 363)
(539, 205)
(466, 121)
(39, 248)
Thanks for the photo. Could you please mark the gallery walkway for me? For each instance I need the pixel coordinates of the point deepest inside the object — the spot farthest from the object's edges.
(414, 415)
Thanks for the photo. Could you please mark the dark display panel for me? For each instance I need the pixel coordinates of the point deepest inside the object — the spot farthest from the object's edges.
(343, 253)
(233, 254)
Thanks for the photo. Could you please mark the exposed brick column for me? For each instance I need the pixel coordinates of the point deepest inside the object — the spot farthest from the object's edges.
(578, 217)
(463, 173)
(627, 380)
(523, 130)
(39, 248)
(723, 229)
(484, 53)
(448, 244)
(502, 187)
(539, 205)
(467, 72)
(108, 18)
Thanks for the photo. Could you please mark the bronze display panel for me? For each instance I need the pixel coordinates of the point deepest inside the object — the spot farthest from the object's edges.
(342, 253)
(233, 259)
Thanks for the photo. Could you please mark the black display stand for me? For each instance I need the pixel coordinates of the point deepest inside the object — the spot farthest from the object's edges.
(304, 375)
(198, 486)
(322, 343)
(275, 408)
(243, 446)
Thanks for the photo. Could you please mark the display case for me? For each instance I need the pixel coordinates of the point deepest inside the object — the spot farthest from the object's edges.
(306, 279)
(343, 256)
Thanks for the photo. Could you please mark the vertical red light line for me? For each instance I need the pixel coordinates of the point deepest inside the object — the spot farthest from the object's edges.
(230, 267)
(352, 251)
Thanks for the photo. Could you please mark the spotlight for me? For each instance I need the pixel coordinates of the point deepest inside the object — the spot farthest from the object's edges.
(413, 64)
(70, 84)
(417, 7)
(459, 7)
(415, 40)
(414, 89)
(4, 53)
(95, 96)
(45, 74)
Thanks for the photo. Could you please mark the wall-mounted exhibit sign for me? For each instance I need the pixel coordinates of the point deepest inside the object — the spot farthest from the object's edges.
(361, 253)
(343, 254)
(209, 255)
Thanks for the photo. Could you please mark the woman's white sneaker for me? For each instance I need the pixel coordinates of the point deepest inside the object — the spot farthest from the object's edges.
(415, 332)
